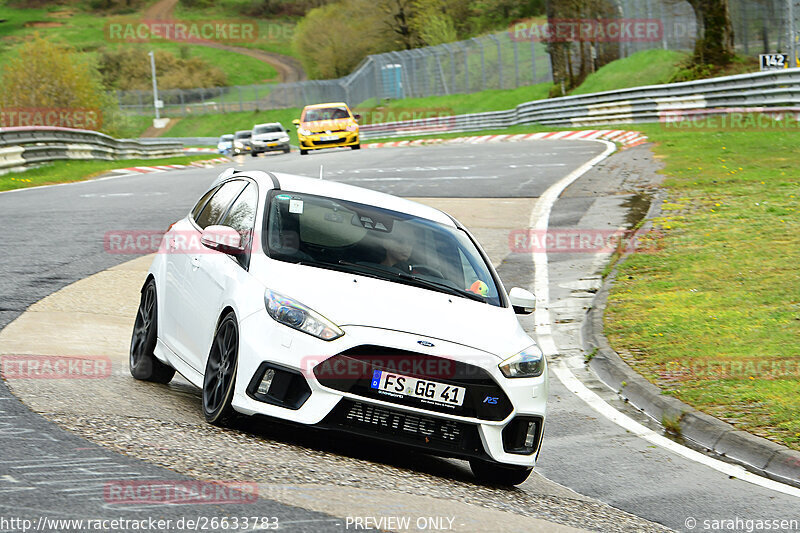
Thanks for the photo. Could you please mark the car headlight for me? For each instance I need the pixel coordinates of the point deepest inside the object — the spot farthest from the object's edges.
(283, 139)
(352, 127)
(238, 144)
(303, 131)
(529, 363)
(296, 315)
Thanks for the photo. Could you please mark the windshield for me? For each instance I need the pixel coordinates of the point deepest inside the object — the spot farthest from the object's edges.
(375, 242)
(269, 128)
(325, 113)
(243, 134)
(226, 138)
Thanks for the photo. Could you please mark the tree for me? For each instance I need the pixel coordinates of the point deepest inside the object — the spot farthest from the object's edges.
(43, 74)
(398, 17)
(573, 61)
(433, 22)
(46, 76)
(331, 40)
(714, 45)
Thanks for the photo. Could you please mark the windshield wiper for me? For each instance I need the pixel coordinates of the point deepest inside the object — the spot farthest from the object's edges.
(333, 266)
(443, 286)
(429, 284)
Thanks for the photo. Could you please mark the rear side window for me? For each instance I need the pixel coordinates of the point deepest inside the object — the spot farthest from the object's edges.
(202, 203)
(218, 204)
(242, 215)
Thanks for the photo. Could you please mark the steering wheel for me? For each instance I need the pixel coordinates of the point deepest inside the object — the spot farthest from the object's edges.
(425, 270)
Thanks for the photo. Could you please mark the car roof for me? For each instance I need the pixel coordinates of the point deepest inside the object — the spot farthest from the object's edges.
(330, 104)
(244, 131)
(342, 191)
(267, 124)
(226, 135)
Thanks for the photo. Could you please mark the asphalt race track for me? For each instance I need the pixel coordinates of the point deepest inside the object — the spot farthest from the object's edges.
(53, 236)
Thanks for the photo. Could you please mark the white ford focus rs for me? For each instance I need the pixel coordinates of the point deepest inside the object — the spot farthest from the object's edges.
(329, 305)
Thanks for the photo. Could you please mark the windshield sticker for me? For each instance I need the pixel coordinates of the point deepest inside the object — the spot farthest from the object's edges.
(296, 206)
(479, 288)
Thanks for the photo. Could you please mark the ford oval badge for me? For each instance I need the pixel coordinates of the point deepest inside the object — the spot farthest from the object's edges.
(426, 344)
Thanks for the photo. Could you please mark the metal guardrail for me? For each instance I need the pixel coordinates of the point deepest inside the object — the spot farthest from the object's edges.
(656, 103)
(25, 146)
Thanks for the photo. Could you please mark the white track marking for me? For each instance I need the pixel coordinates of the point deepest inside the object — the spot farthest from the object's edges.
(539, 221)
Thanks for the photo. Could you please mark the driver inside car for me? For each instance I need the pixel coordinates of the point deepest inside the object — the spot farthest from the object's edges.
(398, 245)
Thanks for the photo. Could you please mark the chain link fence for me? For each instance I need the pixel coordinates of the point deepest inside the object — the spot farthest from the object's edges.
(495, 61)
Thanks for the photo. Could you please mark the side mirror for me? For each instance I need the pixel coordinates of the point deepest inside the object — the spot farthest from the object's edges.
(222, 239)
(287, 131)
(523, 302)
(357, 116)
(296, 122)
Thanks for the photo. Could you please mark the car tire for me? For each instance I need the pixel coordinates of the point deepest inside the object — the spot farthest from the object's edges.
(286, 150)
(254, 154)
(219, 378)
(356, 147)
(497, 474)
(303, 152)
(143, 363)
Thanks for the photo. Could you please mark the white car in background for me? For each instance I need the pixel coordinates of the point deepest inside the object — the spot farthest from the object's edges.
(330, 305)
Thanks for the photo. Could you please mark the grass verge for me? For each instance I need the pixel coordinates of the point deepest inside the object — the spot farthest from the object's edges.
(648, 67)
(78, 170)
(459, 104)
(711, 312)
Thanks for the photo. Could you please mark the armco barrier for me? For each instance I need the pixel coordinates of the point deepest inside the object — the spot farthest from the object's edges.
(757, 92)
(24, 146)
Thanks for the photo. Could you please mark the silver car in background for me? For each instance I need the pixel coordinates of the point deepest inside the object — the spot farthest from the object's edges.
(269, 137)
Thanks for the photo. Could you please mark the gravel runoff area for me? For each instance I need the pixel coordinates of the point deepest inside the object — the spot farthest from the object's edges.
(250, 453)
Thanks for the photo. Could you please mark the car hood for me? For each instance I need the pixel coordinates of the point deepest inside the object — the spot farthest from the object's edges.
(327, 125)
(354, 300)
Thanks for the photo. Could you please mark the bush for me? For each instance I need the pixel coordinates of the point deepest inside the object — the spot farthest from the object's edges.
(129, 69)
(43, 75)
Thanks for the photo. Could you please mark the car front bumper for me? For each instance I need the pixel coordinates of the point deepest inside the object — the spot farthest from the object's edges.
(271, 146)
(334, 140)
(483, 430)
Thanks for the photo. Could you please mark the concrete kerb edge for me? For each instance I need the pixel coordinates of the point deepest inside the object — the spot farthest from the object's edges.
(699, 430)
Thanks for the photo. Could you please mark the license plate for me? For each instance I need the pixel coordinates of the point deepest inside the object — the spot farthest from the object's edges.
(328, 137)
(272, 144)
(432, 391)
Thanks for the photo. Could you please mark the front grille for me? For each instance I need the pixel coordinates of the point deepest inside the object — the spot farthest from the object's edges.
(436, 435)
(352, 370)
(335, 141)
